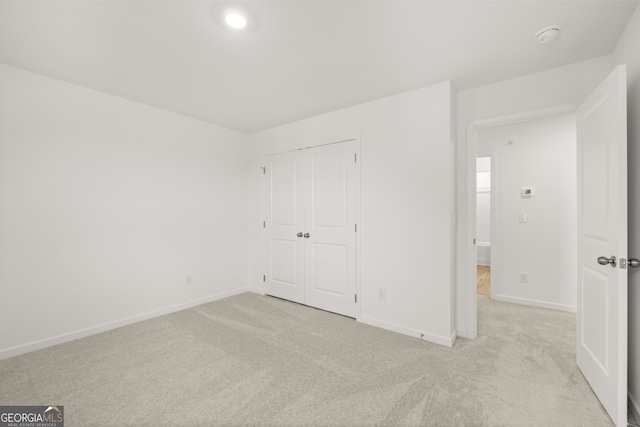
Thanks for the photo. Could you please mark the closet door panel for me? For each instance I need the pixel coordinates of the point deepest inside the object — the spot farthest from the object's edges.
(284, 220)
(330, 252)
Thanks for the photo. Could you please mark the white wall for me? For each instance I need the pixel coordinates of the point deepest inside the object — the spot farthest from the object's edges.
(539, 154)
(406, 194)
(106, 206)
(483, 217)
(561, 86)
(483, 210)
(483, 199)
(628, 52)
(406, 215)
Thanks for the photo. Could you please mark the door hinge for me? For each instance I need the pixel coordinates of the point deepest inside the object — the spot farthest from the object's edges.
(356, 228)
(356, 298)
(264, 278)
(264, 170)
(355, 157)
(474, 241)
(264, 224)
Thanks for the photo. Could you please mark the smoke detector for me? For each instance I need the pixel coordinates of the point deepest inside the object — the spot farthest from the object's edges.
(547, 34)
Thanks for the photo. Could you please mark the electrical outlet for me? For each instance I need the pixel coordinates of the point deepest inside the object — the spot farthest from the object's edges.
(189, 280)
(524, 278)
(382, 293)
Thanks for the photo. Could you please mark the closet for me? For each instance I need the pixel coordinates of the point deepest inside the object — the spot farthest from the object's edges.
(310, 227)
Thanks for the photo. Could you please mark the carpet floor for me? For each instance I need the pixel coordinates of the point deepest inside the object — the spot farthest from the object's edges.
(256, 360)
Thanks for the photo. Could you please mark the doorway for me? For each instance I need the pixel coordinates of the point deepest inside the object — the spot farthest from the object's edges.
(532, 248)
(601, 184)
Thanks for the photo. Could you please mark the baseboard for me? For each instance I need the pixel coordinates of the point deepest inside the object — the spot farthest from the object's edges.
(81, 333)
(437, 339)
(258, 291)
(485, 262)
(452, 339)
(535, 303)
(634, 405)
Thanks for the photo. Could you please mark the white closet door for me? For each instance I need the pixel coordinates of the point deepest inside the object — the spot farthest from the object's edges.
(284, 220)
(310, 227)
(330, 249)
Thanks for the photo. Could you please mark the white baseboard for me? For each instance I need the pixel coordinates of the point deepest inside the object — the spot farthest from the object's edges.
(258, 291)
(81, 333)
(437, 339)
(634, 405)
(535, 303)
(452, 339)
(486, 262)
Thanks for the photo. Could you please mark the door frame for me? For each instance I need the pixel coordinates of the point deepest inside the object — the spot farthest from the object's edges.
(470, 283)
(357, 149)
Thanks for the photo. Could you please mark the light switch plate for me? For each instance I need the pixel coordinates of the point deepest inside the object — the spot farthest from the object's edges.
(527, 192)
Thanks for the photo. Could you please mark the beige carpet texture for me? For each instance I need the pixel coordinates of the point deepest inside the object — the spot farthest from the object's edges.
(252, 360)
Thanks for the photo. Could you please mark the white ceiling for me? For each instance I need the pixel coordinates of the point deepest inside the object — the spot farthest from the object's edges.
(296, 58)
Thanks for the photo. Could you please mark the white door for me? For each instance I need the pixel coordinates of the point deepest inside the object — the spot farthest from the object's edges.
(602, 232)
(284, 226)
(330, 249)
(310, 227)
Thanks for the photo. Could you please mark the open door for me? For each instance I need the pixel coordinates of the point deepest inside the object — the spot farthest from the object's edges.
(602, 243)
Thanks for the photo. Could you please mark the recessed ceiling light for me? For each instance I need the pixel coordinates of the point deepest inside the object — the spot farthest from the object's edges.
(235, 20)
(547, 34)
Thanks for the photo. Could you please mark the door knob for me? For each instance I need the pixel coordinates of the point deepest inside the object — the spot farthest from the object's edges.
(634, 262)
(299, 234)
(307, 235)
(603, 260)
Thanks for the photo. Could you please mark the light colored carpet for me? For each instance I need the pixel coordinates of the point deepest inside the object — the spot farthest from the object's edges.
(254, 360)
